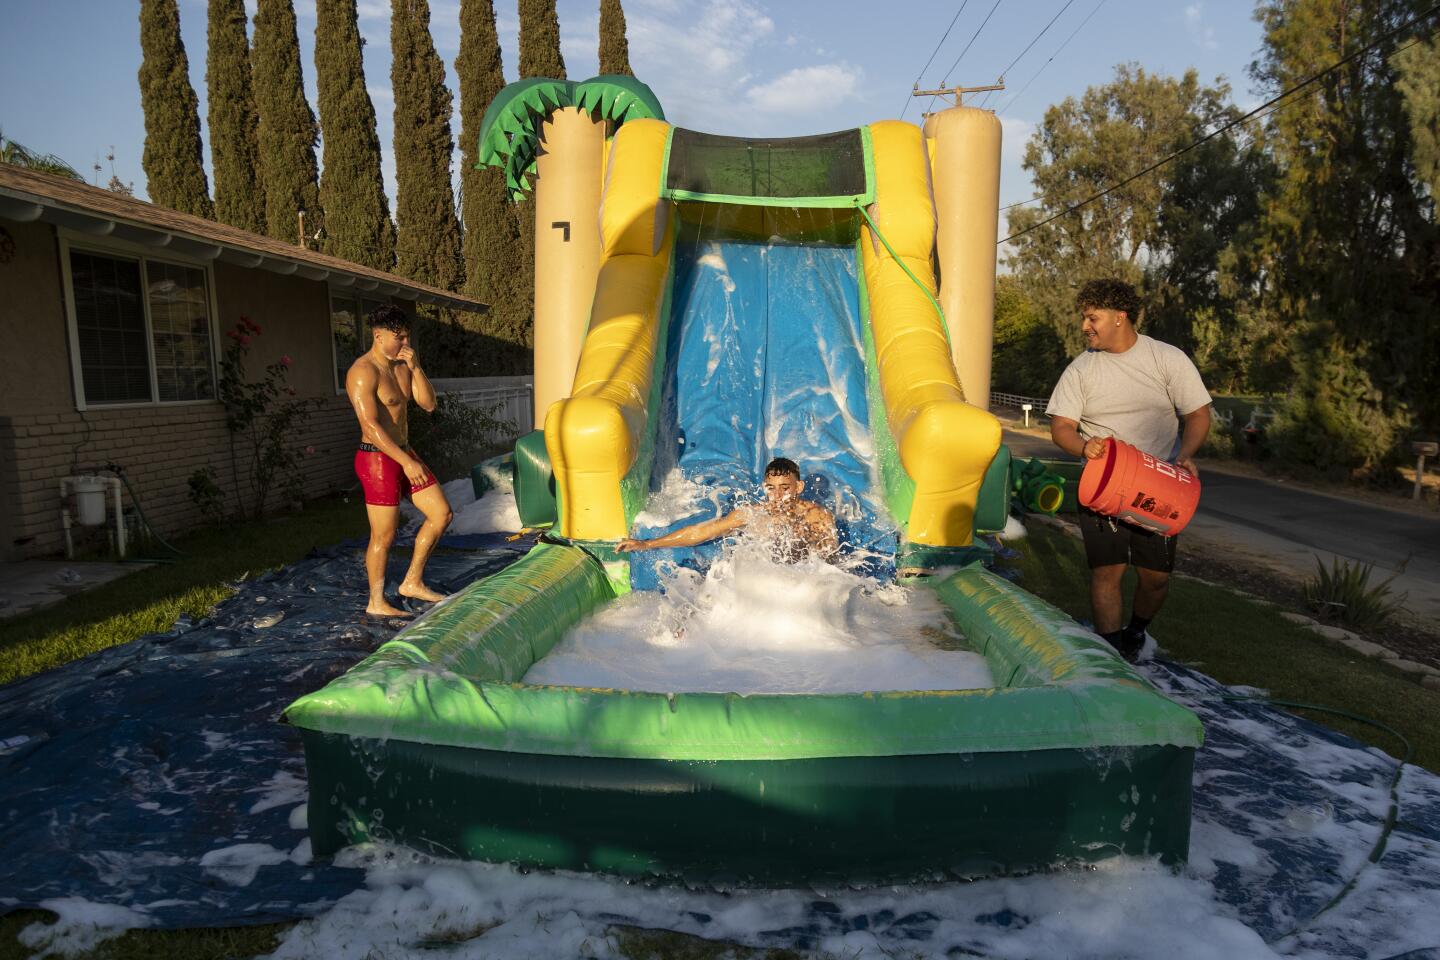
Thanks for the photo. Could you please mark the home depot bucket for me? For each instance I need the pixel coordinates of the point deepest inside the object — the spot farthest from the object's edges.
(1133, 486)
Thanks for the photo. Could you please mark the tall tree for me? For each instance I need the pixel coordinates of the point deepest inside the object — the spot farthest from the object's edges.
(539, 57)
(1348, 245)
(427, 244)
(540, 40)
(287, 131)
(1164, 231)
(352, 188)
(493, 259)
(614, 47)
(234, 143)
(173, 160)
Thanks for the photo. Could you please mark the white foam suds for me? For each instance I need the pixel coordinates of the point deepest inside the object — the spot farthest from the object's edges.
(756, 626)
(494, 512)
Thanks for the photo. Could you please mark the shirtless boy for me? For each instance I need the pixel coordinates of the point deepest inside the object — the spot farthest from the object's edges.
(380, 385)
(798, 527)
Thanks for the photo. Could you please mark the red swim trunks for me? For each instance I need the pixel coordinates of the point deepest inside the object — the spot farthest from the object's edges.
(382, 479)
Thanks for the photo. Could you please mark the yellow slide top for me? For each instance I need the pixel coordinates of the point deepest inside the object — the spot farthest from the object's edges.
(945, 444)
(595, 435)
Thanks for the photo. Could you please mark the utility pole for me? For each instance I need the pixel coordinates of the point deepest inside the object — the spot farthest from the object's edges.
(957, 92)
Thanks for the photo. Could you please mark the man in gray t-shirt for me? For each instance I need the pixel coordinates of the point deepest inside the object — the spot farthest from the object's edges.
(1130, 387)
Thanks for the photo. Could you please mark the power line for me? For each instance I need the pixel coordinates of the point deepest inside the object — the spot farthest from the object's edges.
(945, 79)
(1011, 101)
(1033, 41)
(921, 74)
(1289, 92)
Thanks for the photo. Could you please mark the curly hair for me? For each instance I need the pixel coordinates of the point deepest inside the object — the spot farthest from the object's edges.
(1110, 294)
(782, 467)
(387, 316)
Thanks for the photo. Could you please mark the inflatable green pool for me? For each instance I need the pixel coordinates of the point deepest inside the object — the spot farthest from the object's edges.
(434, 742)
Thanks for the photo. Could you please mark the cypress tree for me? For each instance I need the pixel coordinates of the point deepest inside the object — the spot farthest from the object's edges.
(234, 147)
(614, 48)
(173, 160)
(539, 57)
(493, 261)
(427, 245)
(352, 190)
(287, 130)
(540, 40)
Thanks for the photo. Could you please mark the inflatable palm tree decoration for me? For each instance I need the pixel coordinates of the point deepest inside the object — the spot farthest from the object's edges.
(510, 134)
(553, 132)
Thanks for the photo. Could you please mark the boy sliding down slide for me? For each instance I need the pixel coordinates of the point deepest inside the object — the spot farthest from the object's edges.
(380, 385)
(795, 526)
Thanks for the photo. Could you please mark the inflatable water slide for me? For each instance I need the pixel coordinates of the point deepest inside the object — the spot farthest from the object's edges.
(704, 303)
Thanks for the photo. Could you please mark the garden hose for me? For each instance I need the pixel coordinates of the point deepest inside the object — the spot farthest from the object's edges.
(119, 471)
(1392, 816)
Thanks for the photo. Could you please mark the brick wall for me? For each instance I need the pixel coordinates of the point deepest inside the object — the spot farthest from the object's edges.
(159, 447)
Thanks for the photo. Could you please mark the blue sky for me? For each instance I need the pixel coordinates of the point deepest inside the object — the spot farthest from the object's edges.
(746, 67)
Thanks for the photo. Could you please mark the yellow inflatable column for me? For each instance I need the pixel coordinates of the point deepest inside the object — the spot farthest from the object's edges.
(567, 247)
(595, 436)
(965, 152)
(945, 444)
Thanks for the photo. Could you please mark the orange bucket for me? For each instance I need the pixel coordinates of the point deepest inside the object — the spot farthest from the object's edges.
(1130, 485)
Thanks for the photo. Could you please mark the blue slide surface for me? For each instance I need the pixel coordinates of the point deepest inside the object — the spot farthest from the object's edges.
(766, 359)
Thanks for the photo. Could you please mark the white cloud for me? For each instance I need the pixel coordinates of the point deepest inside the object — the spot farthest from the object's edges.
(1200, 32)
(805, 89)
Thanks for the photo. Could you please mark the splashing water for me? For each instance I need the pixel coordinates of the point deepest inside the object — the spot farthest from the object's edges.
(752, 625)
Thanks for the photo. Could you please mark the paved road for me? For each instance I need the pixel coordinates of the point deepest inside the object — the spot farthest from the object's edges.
(1286, 528)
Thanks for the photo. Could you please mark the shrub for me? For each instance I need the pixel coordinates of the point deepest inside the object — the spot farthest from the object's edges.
(1343, 593)
(206, 494)
(456, 436)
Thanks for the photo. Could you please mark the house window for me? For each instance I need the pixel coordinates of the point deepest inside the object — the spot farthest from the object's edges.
(110, 322)
(180, 329)
(142, 329)
(349, 331)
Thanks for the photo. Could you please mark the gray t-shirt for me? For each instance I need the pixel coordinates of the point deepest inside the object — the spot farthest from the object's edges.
(1133, 396)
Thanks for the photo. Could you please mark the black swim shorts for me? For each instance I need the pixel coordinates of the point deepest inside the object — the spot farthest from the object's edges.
(1109, 541)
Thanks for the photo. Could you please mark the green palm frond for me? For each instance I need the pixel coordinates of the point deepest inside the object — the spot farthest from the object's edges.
(22, 156)
(510, 131)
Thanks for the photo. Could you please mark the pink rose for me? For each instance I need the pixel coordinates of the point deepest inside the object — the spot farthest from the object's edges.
(285, 360)
(309, 451)
(244, 340)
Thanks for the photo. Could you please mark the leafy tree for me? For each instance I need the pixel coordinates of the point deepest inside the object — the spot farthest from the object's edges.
(1165, 232)
(428, 238)
(21, 156)
(614, 47)
(352, 189)
(174, 167)
(494, 264)
(287, 130)
(234, 142)
(1418, 66)
(1029, 356)
(1347, 249)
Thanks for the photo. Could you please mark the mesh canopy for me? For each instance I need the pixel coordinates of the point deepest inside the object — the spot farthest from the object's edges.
(828, 170)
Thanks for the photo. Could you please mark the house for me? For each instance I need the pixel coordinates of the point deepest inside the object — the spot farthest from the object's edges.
(112, 321)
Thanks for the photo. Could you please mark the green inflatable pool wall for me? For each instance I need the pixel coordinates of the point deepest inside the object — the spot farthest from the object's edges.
(434, 741)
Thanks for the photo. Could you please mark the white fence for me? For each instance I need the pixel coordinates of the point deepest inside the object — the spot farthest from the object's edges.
(1015, 400)
(512, 397)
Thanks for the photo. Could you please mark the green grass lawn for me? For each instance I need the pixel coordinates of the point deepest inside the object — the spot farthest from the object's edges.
(150, 599)
(1237, 640)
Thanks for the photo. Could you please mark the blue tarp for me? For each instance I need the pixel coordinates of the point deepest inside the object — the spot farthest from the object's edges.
(125, 769)
(766, 359)
(157, 777)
